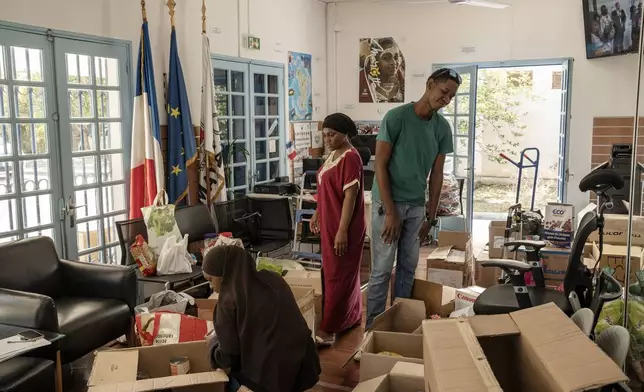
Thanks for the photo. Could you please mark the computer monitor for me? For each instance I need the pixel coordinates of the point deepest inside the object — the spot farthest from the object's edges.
(312, 164)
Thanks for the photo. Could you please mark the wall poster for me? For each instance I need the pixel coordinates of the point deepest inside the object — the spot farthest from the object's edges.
(300, 87)
(382, 71)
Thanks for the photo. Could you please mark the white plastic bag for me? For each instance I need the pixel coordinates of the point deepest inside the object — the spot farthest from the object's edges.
(174, 257)
(160, 222)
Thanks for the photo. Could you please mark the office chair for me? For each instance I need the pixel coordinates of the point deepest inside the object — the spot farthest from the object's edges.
(578, 280)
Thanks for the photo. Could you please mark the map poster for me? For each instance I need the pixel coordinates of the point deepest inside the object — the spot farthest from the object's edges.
(382, 71)
(300, 88)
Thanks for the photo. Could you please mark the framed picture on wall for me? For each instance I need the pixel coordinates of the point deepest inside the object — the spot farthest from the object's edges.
(612, 27)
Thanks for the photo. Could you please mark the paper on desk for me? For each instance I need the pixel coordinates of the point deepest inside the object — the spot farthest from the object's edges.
(11, 350)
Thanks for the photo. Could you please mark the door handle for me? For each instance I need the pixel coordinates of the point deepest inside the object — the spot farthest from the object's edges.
(71, 211)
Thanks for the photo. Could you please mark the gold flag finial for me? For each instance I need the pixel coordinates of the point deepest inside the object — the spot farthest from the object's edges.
(143, 11)
(171, 5)
(203, 16)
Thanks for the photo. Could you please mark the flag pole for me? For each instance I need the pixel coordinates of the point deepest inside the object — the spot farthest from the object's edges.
(171, 5)
(143, 11)
(203, 16)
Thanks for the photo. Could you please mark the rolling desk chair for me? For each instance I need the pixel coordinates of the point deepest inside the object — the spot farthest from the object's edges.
(578, 280)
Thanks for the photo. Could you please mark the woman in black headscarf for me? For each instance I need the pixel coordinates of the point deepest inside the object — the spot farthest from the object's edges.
(260, 334)
(339, 218)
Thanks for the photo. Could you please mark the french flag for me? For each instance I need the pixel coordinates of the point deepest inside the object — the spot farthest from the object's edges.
(290, 150)
(146, 168)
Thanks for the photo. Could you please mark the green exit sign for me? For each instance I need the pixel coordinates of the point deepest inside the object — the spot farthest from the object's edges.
(253, 43)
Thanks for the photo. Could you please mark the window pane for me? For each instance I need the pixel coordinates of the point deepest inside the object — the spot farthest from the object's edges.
(35, 175)
(272, 84)
(272, 106)
(81, 103)
(260, 127)
(223, 129)
(109, 227)
(463, 125)
(33, 139)
(6, 146)
(259, 83)
(274, 129)
(94, 257)
(84, 170)
(239, 155)
(461, 146)
(88, 235)
(274, 167)
(86, 203)
(113, 198)
(8, 211)
(463, 104)
(108, 104)
(111, 167)
(36, 210)
(110, 136)
(41, 233)
(106, 71)
(239, 173)
(221, 105)
(220, 77)
(238, 129)
(7, 180)
(260, 106)
(260, 150)
(262, 171)
(273, 148)
(8, 239)
(83, 137)
(29, 101)
(27, 64)
(3, 72)
(78, 69)
(237, 81)
(4, 101)
(238, 105)
(113, 255)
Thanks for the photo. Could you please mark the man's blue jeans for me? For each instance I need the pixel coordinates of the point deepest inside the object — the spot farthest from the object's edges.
(405, 250)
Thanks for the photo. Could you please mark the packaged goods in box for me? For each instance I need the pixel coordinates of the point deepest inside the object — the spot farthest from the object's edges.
(558, 224)
(466, 297)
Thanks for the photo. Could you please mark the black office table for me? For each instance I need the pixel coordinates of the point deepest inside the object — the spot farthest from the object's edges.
(7, 331)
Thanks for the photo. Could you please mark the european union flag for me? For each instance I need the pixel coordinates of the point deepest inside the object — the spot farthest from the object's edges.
(182, 150)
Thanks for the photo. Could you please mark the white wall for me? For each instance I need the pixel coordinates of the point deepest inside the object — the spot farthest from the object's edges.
(282, 25)
(435, 33)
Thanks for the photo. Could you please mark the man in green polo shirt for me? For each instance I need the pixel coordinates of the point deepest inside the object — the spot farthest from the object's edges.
(412, 142)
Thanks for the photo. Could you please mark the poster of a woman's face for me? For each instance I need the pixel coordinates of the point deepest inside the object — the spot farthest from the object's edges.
(382, 71)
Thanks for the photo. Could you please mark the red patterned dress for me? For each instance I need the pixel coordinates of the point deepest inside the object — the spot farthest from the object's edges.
(342, 298)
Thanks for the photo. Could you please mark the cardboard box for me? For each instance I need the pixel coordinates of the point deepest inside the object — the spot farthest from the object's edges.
(558, 224)
(537, 349)
(616, 229)
(466, 297)
(206, 307)
(405, 316)
(497, 239)
(305, 299)
(438, 299)
(554, 262)
(373, 364)
(310, 280)
(403, 377)
(486, 276)
(451, 264)
(614, 256)
(116, 370)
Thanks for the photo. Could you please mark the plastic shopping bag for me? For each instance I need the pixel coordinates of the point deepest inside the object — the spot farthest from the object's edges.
(160, 222)
(174, 257)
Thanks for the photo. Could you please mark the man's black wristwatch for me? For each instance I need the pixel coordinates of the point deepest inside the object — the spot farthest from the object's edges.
(432, 221)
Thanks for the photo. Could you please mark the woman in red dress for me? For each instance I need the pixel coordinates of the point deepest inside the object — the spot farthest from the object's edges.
(340, 221)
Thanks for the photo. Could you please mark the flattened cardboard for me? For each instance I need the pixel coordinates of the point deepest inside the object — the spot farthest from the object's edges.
(116, 370)
(405, 316)
(372, 364)
(403, 377)
(534, 350)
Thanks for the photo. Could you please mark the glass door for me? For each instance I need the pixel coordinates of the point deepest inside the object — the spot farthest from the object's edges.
(563, 174)
(94, 116)
(461, 114)
(266, 112)
(231, 102)
(29, 174)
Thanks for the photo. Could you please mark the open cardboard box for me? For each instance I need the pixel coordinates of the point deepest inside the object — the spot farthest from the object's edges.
(116, 370)
(308, 280)
(405, 316)
(403, 377)
(438, 299)
(206, 307)
(532, 350)
(373, 364)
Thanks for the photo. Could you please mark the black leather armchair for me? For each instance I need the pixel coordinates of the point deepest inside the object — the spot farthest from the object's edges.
(91, 304)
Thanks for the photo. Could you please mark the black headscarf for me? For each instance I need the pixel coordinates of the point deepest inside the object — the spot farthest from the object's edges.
(342, 123)
(258, 321)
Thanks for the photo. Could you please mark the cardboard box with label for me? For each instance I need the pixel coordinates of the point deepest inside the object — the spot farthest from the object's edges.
(308, 280)
(558, 224)
(554, 262)
(466, 297)
(405, 316)
(403, 377)
(485, 276)
(616, 229)
(117, 370)
(614, 256)
(497, 239)
(537, 349)
(206, 307)
(377, 349)
(451, 264)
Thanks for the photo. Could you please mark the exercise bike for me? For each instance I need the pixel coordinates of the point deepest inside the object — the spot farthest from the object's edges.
(583, 287)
